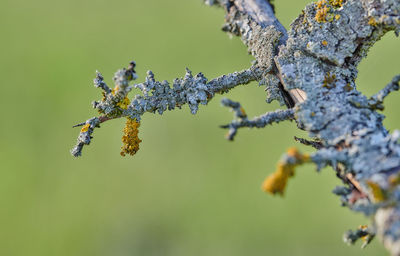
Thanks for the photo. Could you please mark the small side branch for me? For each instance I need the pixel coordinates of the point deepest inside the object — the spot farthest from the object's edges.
(85, 135)
(363, 232)
(377, 100)
(258, 122)
(312, 143)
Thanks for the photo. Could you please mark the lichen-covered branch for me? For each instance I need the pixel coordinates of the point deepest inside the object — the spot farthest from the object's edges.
(85, 135)
(156, 96)
(377, 99)
(313, 143)
(311, 69)
(257, 122)
(363, 232)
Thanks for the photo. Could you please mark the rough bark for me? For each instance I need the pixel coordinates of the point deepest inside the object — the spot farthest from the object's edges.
(312, 70)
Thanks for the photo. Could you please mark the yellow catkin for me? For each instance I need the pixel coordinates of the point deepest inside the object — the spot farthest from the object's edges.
(377, 192)
(85, 128)
(130, 138)
(276, 182)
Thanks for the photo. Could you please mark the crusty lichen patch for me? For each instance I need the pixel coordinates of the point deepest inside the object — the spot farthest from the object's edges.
(85, 128)
(372, 21)
(123, 104)
(336, 3)
(324, 10)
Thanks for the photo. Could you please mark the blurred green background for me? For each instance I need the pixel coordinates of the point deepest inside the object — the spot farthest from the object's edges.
(188, 191)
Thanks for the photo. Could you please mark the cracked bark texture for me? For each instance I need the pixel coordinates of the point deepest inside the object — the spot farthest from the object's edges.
(312, 70)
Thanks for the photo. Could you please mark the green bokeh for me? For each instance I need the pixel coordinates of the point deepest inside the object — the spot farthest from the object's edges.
(188, 191)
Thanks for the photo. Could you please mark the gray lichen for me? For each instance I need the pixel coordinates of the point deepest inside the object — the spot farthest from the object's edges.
(257, 122)
(377, 99)
(85, 136)
(273, 89)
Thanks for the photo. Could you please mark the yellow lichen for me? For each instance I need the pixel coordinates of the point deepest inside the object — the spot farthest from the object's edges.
(394, 179)
(304, 17)
(329, 81)
(372, 21)
(321, 3)
(85, 128)
(324, 43)
(336, 3)
(364, 228)
(323, 9)
(242, 112)
(124, 103)
(114, 90)
(276, 182)
(321, 14)
(376, 191)
(130, 139)
(348, 87)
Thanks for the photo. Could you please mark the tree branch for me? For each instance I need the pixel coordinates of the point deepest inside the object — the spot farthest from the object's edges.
(157, 96)
(377, 99)
(258, 122)
(312, 69)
